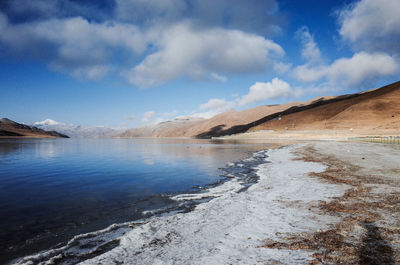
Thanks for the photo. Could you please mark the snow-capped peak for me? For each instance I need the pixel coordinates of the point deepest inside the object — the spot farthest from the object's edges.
(47, 122)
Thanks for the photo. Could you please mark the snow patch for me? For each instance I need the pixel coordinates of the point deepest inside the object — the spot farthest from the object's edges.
(47, 122)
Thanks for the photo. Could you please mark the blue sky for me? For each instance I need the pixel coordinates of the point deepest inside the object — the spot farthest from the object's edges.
(130, 63)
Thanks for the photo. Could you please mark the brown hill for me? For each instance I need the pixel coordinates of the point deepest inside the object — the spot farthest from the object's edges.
(191, 127)
(9, 128)
(377, 109)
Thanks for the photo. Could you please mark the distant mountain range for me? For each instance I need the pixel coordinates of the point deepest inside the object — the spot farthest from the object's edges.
(173, 128)
(77, 131)
(372, 110)
(9, 128)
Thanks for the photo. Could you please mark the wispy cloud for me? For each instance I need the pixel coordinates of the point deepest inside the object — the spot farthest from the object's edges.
(310, 50)
(147, 116)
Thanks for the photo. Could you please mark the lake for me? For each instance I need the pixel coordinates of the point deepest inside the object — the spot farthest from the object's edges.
(54, 189)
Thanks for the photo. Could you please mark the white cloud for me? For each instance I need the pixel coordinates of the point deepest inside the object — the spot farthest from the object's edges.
(185, 51)
(176, 38)
(282, 68)
(258, 92)
(263, 91)
(96, 72)
(310, 50)
(213, 107)
(73, 45)
(147, 116)
(220, 78)
(372, 25)
(306, 73)
(217, 105)
(350, 71)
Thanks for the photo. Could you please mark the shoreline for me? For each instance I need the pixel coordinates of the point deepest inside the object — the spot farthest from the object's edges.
(233, 227)
(300, 211)
(181, 202)
(308, 135)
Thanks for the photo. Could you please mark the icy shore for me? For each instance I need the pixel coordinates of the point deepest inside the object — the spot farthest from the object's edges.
(232, 227)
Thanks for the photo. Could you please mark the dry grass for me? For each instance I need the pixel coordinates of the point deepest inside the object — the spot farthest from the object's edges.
(369, 230)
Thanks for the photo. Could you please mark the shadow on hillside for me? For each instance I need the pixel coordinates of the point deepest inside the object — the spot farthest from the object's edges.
(218, 131)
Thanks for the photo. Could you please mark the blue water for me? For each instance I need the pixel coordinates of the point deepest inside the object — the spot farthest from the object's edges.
(53, 189)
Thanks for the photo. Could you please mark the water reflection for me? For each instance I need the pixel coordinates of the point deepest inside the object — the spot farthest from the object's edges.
(52, 189)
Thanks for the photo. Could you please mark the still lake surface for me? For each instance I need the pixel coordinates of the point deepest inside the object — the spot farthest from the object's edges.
(53, 189)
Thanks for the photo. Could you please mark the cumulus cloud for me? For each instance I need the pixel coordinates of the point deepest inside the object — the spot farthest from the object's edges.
(185, 51)
(147, 116)
(258, 92)
(263, 91)
(362, 67)
(73, 45)
(352, 71)
(197, 39)
(372, 25)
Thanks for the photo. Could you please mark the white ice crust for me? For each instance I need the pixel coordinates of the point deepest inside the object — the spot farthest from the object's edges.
(232, 227)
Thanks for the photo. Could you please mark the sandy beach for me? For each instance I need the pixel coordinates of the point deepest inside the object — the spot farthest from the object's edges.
(322, 202)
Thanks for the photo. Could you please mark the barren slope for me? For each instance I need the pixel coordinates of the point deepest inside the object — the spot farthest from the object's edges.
(193, 127)
(9, 128)
(373, 110)
(377, 109)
